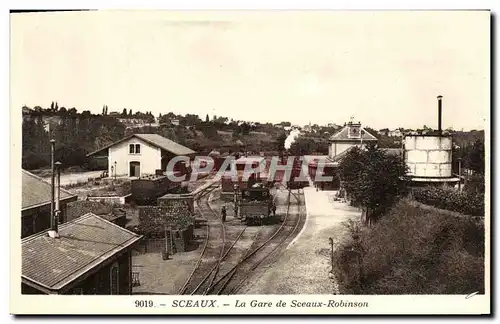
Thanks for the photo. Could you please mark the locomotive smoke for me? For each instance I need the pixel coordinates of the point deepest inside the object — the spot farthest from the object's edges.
(291, 138)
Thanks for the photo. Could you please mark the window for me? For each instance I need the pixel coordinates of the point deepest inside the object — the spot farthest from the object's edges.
(354, 132)
(134, 149)
(114, 279)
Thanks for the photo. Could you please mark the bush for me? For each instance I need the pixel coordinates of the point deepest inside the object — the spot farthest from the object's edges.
(465, 202)
(413, 251)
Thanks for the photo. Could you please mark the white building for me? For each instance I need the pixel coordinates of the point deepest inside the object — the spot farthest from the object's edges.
(351, 135)
(395, 133)
(141, 154)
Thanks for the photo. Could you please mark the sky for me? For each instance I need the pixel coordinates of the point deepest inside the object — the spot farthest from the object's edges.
(384, 69)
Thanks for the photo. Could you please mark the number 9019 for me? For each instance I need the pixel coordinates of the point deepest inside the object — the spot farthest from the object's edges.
(143, 303)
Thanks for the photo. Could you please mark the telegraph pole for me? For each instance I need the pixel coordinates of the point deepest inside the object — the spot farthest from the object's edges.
(459, 174)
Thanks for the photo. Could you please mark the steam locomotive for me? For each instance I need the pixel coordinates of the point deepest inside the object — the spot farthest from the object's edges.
(295, 182)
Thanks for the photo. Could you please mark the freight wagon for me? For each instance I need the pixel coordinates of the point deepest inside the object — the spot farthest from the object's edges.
(147, 189)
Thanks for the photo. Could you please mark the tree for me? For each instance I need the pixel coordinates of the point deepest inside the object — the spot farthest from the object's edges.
(245, 129)
(124, 112)
(373, 179)
(207, 119)
(280, 142)
(57, 106)
(52, 106)
(130, 112)
(475, 157)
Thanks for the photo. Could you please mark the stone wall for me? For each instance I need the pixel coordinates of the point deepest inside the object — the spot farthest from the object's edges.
(82, 207)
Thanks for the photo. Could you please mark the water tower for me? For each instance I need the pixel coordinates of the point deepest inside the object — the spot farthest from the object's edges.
(428, 156)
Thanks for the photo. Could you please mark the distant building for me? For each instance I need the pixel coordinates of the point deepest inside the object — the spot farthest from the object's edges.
(91, 256)
(35, 204)
(333, 125)
(349, 136)
(141, 154)
(384, 132)
(132, 121)
(395, 133)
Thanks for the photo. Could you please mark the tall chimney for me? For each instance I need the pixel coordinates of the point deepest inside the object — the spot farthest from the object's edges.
(53, 225)
(440, 112)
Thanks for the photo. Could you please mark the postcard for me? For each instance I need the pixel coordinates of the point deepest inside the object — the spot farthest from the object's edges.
(250, 162)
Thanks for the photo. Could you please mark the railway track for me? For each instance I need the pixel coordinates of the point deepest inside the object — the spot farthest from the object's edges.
(211, 257)
(233, 279)
(212, 251)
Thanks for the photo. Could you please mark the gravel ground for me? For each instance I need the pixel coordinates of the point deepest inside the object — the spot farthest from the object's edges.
(304, 266)
(70, 178)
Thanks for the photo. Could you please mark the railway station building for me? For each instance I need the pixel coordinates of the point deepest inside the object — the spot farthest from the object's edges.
(350, 136)
(142, 154)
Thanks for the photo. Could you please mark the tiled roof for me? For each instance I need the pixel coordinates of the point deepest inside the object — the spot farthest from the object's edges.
(37, 191)
(82, 245)
(165, 143)
(341, 155)
(343, 135)
(155, 140)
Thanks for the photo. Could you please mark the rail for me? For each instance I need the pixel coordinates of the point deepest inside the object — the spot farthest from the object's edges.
(200, 194)
(230, 274)
(274, 249)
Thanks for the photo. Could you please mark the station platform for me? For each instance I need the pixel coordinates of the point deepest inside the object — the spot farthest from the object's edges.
(304, 266)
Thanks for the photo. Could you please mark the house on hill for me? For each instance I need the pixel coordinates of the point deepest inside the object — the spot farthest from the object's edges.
(352, 134)
(90, 256)
(141, 154)
(35, 204)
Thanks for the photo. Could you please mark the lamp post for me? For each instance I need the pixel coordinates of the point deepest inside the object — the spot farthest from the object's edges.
(58, 195)
(331, 252)
(115, 170)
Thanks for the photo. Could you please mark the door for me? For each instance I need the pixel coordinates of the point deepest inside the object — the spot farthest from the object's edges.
(135, 169)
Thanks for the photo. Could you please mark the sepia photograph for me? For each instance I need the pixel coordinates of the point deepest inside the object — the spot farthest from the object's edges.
(215, 161)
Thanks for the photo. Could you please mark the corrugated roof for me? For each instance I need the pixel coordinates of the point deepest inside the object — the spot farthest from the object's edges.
(37, 191)
(343, 135)
(83, 244)
(155, 140)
